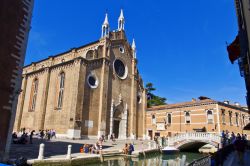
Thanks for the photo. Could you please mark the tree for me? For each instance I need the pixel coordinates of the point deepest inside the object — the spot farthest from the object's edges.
(153, 100)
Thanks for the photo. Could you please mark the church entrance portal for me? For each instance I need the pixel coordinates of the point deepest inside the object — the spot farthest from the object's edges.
(116, 128)
(119, 122)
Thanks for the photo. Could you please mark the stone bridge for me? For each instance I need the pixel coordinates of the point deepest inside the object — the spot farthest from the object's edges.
(185, 140)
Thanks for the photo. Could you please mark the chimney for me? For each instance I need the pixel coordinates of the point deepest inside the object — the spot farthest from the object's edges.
(237, 104)
(193, 100)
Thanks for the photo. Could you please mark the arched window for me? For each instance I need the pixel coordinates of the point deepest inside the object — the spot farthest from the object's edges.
(61, 90)
(33, 95)
(169, 119)
(187, 118)
(210, 117)
(230, 117)
(237, 119)
(153, 119)
(223, 116)
(90, 55)
(243, 119)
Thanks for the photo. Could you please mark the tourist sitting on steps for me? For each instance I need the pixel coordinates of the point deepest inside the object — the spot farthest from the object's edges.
(130, 149)
(81, 149)
(95, 148)
(125, 149)
(86, 148)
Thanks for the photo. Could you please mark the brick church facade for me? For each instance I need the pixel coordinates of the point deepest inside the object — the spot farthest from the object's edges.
(86, 92)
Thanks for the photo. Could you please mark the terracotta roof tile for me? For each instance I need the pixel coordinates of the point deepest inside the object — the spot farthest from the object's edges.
(183, 104)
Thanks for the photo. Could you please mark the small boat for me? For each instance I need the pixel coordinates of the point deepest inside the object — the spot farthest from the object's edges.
(169, 150)
(208, 149)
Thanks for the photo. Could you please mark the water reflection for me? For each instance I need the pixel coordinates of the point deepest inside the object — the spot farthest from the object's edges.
(156, 160)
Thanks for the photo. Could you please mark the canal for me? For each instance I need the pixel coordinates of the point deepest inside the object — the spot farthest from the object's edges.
(152, 160)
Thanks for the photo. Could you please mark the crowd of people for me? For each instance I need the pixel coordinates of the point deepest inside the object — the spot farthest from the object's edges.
(97, 147)
(239, 141)
(90, 148)
(26, 136)
(230, 138)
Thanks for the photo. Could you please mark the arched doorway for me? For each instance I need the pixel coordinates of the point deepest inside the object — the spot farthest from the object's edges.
(116, 122)
(120, 122)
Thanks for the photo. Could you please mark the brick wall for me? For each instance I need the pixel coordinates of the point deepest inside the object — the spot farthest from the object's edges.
(15, 25)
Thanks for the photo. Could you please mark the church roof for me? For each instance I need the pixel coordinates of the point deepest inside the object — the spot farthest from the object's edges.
(207, 101)
(57, 55)
(182, 104)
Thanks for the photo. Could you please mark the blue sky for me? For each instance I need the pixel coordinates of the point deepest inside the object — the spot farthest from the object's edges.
(180, 44)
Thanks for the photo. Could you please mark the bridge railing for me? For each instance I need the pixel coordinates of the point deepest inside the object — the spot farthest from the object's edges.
(204, 161)
(193, 136)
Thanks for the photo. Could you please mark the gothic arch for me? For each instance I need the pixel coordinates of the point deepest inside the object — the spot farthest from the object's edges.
(90, 55)
(119, 121)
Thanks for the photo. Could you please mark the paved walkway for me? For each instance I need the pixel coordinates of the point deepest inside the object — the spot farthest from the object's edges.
(58, 147)
(233, 159)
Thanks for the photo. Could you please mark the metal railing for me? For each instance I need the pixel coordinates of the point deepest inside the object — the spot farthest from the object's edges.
(204, 161)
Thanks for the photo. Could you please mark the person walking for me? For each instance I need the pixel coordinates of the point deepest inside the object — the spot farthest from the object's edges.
(112, 137)
(48, 135)
(42, 134)
(53, 133)
(31, 136)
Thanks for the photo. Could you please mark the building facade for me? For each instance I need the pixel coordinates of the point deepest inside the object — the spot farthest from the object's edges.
(204, 115)
(15, 26)
(243, 16)
(88, 91)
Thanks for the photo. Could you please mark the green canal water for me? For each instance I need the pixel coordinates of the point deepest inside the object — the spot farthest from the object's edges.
(153, 160)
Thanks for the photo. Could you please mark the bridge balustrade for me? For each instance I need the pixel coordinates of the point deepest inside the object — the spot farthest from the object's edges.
(198, 136)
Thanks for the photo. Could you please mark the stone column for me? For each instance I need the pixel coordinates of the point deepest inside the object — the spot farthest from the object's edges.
(20, 104)
(44, 99)
(111, 118)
